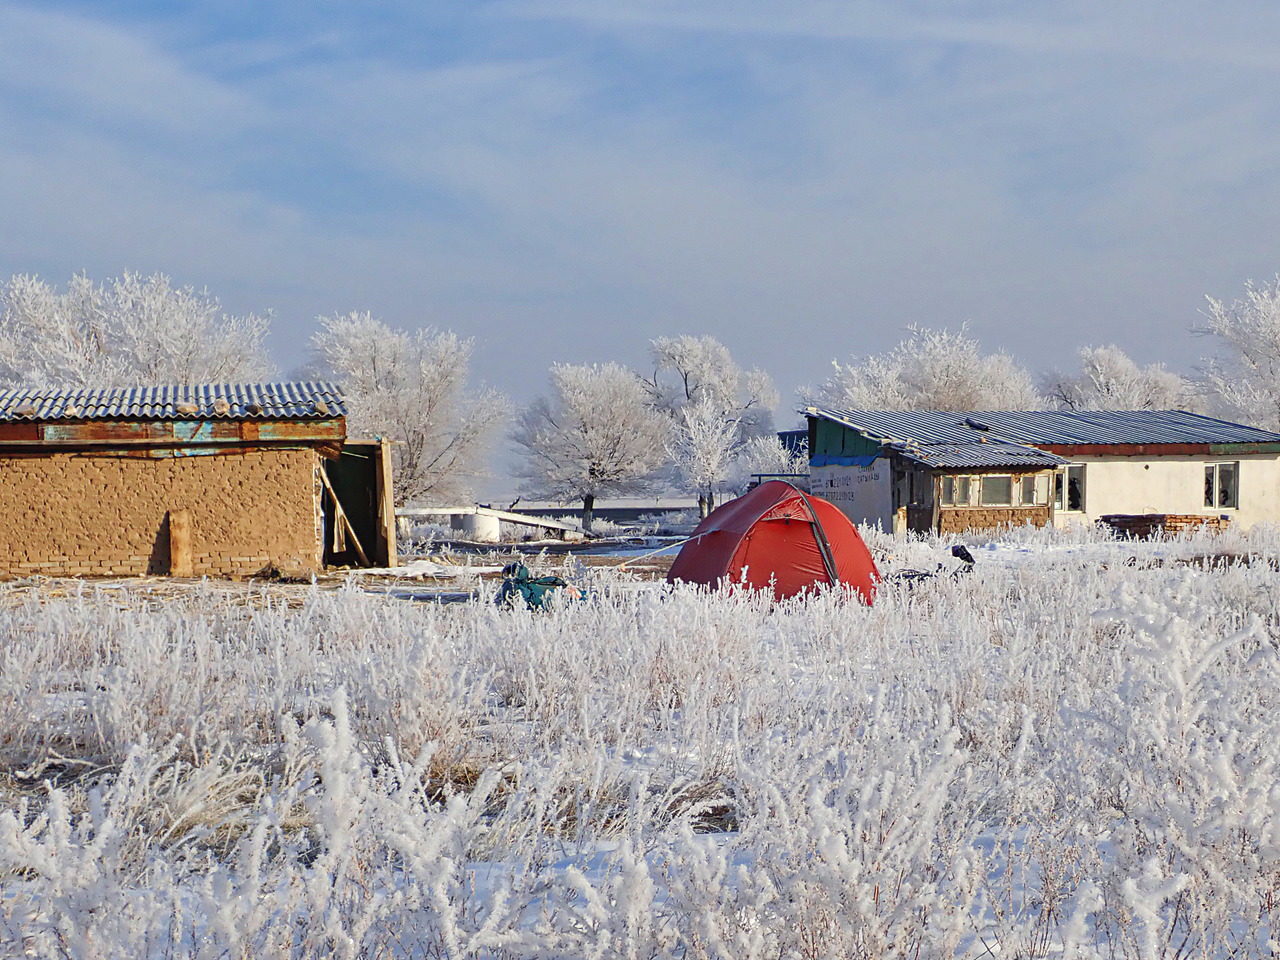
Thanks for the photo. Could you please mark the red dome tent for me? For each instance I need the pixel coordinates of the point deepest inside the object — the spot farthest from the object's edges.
(776, 535)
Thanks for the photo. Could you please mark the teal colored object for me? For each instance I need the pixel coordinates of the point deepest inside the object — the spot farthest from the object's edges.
(518, 585)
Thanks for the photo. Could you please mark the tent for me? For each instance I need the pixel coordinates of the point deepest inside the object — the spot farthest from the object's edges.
(777, 536)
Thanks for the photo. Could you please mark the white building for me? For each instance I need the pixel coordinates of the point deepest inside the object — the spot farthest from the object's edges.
(948, 472)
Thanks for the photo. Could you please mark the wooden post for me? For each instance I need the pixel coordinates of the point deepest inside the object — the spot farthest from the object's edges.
(935, 515)
(386, 505)
(180, 553)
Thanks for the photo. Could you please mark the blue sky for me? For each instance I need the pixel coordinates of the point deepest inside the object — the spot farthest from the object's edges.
(565, 180)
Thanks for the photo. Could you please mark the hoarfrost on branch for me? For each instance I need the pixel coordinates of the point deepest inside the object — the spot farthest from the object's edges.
(594, 435)
(1110, 380)
(129, 331)
(1244, 379)
(411, 387)
(930, 370)
(714, 405)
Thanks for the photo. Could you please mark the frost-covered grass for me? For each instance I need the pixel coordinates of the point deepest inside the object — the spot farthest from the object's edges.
(1071, 752)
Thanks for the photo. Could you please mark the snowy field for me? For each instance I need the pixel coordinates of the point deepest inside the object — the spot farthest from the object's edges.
(1070, 752)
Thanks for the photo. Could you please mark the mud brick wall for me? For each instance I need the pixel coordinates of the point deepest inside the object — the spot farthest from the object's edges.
(989, 518)
(66, 514)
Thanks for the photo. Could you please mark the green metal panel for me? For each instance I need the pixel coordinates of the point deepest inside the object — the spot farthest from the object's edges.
(837, 440)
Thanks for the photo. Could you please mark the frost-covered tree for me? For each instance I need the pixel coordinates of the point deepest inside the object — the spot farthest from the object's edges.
(1110, 380)
(595, 435)
(930, 370)
(411, 387)
(714, 406)
(131, 330)
(1244, 378)
(767, 455)
(704, 447)
(700, 370)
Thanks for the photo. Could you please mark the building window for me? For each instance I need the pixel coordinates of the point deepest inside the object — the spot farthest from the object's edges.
(997, 491)
(1222, 485)
(1033, 491)
(994, 490)
(955, 491)
(1068, 488)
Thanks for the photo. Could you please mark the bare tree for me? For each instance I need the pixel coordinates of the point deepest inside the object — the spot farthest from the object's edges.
(1109, 379)
(131, 330)
(1244, 379)
(412, 388)
(595, 435)
(930, 370)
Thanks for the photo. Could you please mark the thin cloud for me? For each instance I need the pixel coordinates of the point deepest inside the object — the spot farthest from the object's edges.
(1168, 32)
(101, 74)
(617, 173)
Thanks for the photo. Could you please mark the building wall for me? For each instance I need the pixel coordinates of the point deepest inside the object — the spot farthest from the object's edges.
(64, 514)
(1135, 485)
(864, 494)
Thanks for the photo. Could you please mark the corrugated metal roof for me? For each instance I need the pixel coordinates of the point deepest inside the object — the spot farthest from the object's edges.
(297, 400)
(1048, 427)
(962, 455)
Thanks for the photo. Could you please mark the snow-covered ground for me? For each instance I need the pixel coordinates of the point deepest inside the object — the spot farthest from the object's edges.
(1070, 751)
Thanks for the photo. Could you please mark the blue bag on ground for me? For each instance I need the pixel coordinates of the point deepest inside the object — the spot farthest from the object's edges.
(517, 585)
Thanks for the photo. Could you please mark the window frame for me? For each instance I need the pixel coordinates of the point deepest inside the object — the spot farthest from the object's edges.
(1062, 486)
(1214, 470)
(972, 484)
(1039, 488)
(954, 479)
(982, 485)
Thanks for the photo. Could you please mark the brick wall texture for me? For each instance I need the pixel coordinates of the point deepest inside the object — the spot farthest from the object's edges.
(988, 518)
(65, 514)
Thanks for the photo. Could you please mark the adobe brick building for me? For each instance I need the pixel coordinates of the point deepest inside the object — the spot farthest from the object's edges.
(218, 480)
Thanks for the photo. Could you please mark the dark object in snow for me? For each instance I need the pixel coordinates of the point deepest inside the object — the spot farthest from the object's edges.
(959, 551)
(518, 584)
(777, 538)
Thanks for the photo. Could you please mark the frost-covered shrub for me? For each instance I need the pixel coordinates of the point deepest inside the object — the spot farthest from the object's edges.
(1070, 751)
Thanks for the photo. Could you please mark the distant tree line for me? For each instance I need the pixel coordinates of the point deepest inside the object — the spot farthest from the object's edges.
(692, 420)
